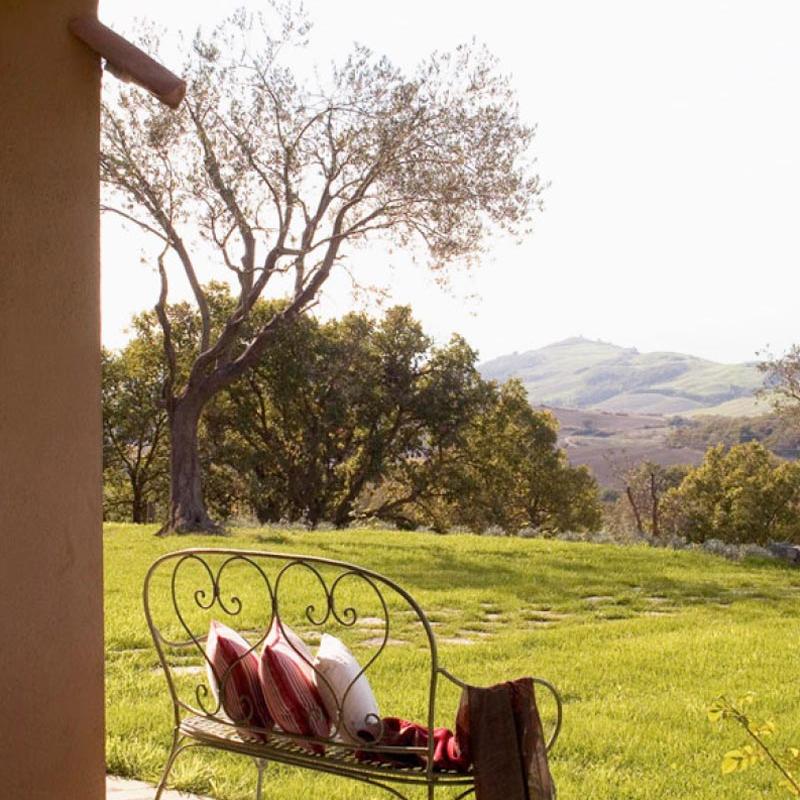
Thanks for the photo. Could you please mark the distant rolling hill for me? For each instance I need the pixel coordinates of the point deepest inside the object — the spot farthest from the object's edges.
(617, 407)
(580, 373)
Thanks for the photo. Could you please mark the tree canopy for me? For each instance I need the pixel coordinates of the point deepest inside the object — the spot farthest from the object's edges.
(135, 442)
(332, 407)
(744, 494)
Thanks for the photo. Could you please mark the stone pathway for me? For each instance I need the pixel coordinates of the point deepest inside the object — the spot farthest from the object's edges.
(123, 789)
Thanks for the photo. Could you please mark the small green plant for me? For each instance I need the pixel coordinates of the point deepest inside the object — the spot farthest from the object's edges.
(723, 710)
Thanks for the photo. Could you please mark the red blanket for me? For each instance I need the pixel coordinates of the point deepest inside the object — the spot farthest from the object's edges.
(397, 732)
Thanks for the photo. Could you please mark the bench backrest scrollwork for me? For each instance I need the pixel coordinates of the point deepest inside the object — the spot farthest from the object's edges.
(249, 590)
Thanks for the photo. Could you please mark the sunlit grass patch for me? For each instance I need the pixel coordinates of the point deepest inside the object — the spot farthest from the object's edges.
(638, 641)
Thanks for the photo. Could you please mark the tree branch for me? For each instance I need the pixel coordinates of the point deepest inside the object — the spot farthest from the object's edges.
(166, 329)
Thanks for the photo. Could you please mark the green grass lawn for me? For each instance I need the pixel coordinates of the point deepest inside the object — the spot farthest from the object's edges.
(637, 640)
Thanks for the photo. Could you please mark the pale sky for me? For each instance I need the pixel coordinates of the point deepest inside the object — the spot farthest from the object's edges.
(670, 134)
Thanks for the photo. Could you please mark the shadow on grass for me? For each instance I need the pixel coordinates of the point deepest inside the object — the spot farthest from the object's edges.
(562, 577)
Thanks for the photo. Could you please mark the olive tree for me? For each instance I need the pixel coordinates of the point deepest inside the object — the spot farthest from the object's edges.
(279, 177)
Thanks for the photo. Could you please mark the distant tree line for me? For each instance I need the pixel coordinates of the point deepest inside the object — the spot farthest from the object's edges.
(337, 422)
(777, 431)
(742, 493)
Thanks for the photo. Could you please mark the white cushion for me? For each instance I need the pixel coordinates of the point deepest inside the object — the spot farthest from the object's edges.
(360, 717)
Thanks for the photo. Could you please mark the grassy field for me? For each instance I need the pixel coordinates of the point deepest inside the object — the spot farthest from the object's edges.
(637, 640)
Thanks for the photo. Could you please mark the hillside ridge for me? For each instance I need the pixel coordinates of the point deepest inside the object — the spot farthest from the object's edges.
(583, 373)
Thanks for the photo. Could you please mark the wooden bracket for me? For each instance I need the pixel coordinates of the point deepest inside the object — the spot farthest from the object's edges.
(127, 62)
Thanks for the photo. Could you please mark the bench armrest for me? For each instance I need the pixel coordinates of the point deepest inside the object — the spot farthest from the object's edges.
(541, 682)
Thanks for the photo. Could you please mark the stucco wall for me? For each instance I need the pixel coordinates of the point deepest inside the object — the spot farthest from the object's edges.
(51, 650)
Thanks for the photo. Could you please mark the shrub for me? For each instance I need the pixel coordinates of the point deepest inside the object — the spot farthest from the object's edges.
(743, 495)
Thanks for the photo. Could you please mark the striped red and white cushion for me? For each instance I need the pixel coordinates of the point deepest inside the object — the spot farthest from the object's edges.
(234, 666)
(287, 681)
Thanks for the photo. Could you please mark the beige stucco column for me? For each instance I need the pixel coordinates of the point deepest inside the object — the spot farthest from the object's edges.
(51, 638)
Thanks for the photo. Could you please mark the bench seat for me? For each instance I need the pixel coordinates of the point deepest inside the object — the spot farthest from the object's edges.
(337, 760)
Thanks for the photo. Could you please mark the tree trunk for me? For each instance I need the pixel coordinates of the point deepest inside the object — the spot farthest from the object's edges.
(187, 509)
(138, 508)
(639, 526)
(654, 496)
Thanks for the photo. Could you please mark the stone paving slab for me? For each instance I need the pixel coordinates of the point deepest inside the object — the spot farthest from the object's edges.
(123, 789)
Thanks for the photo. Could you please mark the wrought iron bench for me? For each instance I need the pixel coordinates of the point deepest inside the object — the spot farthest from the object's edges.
(184, 590)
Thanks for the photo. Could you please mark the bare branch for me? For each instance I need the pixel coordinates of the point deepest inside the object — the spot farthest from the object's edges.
(143, 225)
(225, 192)
(166, 329)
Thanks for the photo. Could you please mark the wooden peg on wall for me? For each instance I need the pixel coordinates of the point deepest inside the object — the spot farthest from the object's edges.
(127, 62)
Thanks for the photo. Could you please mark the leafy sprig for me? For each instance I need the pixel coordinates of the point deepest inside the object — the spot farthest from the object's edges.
(749, 755)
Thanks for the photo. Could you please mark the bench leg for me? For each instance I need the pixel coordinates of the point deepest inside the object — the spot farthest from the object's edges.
(173, 754)
(261, 766)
